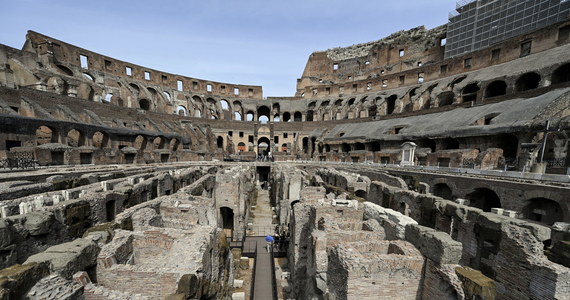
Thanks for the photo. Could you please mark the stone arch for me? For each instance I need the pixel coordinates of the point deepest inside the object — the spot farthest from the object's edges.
(241, 147)
(237, 116)
(484, 199)
(197, 113)
(372, 110)
(449, 144)
(85, 91)
(470, 92)
(45, 135)
(276, 108)
(496, 88)
(140, 142)
(509, 143)
(75, 138)
(158, 142)
(527, 81)
(181, 110)
(249, 116)
(224, 104)
(263, 146)
(99, 140)
(297, 116)
(305, 145)
(443, 190)
(561, 74)
(446, 98)
(227, 218)
(108, 98)
(543, 210)
(286, 116)
(167, 96)
(144, 104)
(345, 148)
(310, 116)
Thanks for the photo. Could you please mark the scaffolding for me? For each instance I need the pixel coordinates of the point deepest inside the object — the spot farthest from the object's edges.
(477, 24)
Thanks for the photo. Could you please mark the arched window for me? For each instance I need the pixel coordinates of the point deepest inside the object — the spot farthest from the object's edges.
(225, 105)
(181, 110)
(197, 113)
(237, 116)
(496, 88)
(249, 116)
(108, 98)
(446, 98)
(167, 96)
(562, 74)
(144, 104)
(297, 117)
(527, 82)
(469, 92)
(391, 104)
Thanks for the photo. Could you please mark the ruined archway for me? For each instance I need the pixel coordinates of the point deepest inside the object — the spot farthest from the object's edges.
(263, 146)
(527, 82)
(470, 92)
(561, 75)
(144, 104)
(443, 190)
(220, 143)
(484, 198)
(543, 210)
(74, 138)
(45, 135)
(496, 88)
(446, 98)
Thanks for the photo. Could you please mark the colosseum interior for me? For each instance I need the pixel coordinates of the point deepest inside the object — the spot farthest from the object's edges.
(429, 164)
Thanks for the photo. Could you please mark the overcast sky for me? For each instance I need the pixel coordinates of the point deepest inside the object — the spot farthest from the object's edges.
(257, 42)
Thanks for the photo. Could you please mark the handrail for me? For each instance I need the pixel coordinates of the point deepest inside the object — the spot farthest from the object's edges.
(252, 285)
(273, 279)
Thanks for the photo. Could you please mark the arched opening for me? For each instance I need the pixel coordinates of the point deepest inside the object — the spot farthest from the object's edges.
(297, 116)
(241, 147)
(305, 145)
(286, 117)
(360, 193)
(327, 148)
(443, 190)
(284, 147)
(276, 118)
(359, 146)
(65, 70)
(445, 98)
(484, 199)
(224, 104)
(99, 140)
(144, 104)
(312, 105)
(310, 116)
(345, 148)
(197, 113)
(181, 110)
(227, 215)
(543, 210)
(167, 96)
(527, 82)
(276, 107)
(74, 138)
(496, 88)
(338, 103)
(174, 144)
(372, 110)
(135, 87)
(158, 143)
(45, 135)
(152, 91)
(313, 145)
(263, 119)
(140, 142)
(562, 74)
(469, 92)
(427, 143)
(249, 116)
(510, 144)
(352, 100)
(263, 111)
(375, 146)
(263, 146)
(449, 144)
(108, 98)
(391, 104)
(237, 116)
(220, 143)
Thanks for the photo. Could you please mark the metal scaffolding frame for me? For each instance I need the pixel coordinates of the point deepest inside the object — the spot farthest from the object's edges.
(477, 24)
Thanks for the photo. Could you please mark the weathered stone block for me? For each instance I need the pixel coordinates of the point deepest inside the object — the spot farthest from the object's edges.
(435, 245)
(475, 284)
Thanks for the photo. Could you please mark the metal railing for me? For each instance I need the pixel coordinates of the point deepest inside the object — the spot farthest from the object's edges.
(19, 160)
(273, 279)
(254, 256)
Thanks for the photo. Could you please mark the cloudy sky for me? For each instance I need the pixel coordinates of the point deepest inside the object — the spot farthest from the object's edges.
(258, 42)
